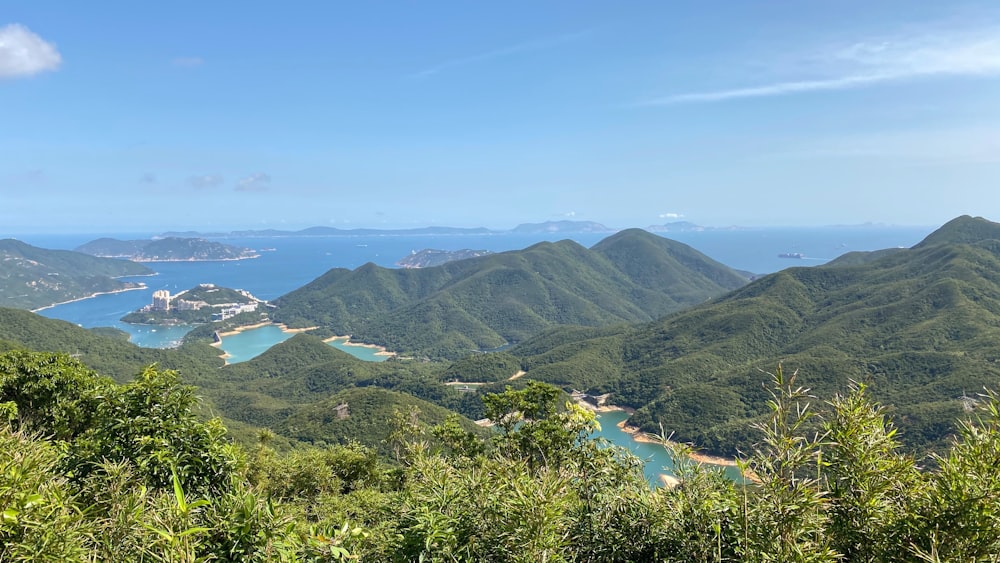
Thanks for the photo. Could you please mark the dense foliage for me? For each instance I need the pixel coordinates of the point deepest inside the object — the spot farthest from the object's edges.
(93, 470)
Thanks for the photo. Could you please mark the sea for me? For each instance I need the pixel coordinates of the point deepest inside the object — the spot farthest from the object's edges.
(287, 263)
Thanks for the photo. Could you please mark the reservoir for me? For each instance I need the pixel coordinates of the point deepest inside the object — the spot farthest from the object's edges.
(656, 457)
(248, 344)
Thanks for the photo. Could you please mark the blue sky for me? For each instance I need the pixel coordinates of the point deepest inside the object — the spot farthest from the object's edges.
(141, 116)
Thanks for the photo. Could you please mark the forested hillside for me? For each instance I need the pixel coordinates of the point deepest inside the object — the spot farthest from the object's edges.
(167, 249)
(32, 277)
(919, 326)
(263, 392)
(490, 301)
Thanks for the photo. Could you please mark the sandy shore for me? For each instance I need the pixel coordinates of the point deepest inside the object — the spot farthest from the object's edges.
(640, 436)
(142, 286)
(283, 328)
(347, 342)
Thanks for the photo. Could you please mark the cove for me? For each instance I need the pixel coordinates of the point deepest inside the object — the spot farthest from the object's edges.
(248, 344)
(656, 457)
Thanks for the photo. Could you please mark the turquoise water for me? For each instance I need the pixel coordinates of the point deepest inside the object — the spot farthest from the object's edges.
(656, 457)
(366, 353)
(248, 344)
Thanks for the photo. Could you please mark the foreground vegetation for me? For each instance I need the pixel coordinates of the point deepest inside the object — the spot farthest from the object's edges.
(92, 470)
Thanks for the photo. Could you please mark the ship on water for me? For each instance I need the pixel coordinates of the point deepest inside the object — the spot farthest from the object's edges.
(795, 255)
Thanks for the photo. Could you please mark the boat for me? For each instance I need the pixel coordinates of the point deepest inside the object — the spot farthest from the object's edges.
(796, 255)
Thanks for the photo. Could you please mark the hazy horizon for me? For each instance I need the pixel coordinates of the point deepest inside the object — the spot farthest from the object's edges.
(221, 116)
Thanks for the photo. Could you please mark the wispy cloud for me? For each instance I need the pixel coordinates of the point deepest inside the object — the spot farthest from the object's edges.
(523, 47)
(967, 52)
(258, 182)
(187, 62)
(23, 53)
(671, 215)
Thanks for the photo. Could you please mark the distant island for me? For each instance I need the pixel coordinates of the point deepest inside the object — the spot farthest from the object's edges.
(201, 304)
(168, 249)
(35, 278)
(567, 227)
(687, 227)
(429, 257)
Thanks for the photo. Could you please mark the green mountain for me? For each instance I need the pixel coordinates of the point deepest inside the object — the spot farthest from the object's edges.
(304, 369)
(32, 277)
(490, 301)
(167, 249)
(919, 326)
(365, 415)
(287, 379)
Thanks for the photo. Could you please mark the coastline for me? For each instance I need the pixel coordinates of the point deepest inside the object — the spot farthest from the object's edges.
(148, 260)
(226, 355)
(347, 342)
(281, 326)
(640, 436)
(123, 290)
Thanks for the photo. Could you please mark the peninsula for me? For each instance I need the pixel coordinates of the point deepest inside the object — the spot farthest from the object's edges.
(35, 278)
(201, 304)
(429, 257)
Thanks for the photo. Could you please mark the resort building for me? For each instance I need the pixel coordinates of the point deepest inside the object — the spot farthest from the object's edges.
(161, 300)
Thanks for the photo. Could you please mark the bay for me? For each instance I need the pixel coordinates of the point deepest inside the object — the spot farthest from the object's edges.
(248, 344)
(657, 460)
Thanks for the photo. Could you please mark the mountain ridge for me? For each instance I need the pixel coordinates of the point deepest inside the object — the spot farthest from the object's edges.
(917, 325)
(489, 301)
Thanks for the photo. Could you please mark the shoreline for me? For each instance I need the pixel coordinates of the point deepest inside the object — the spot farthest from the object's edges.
(640, 436)
(347, 342)
(99, 293)
(282, 326)
(147, 260)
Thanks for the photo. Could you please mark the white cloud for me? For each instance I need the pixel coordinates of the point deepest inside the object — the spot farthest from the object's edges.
(966, 52)
(206, 181)
(569, 214)
(187, 62)
(671, 216)
(259, 182)
(22, 53)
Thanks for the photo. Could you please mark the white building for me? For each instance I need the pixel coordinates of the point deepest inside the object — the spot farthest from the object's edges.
(161, 300)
